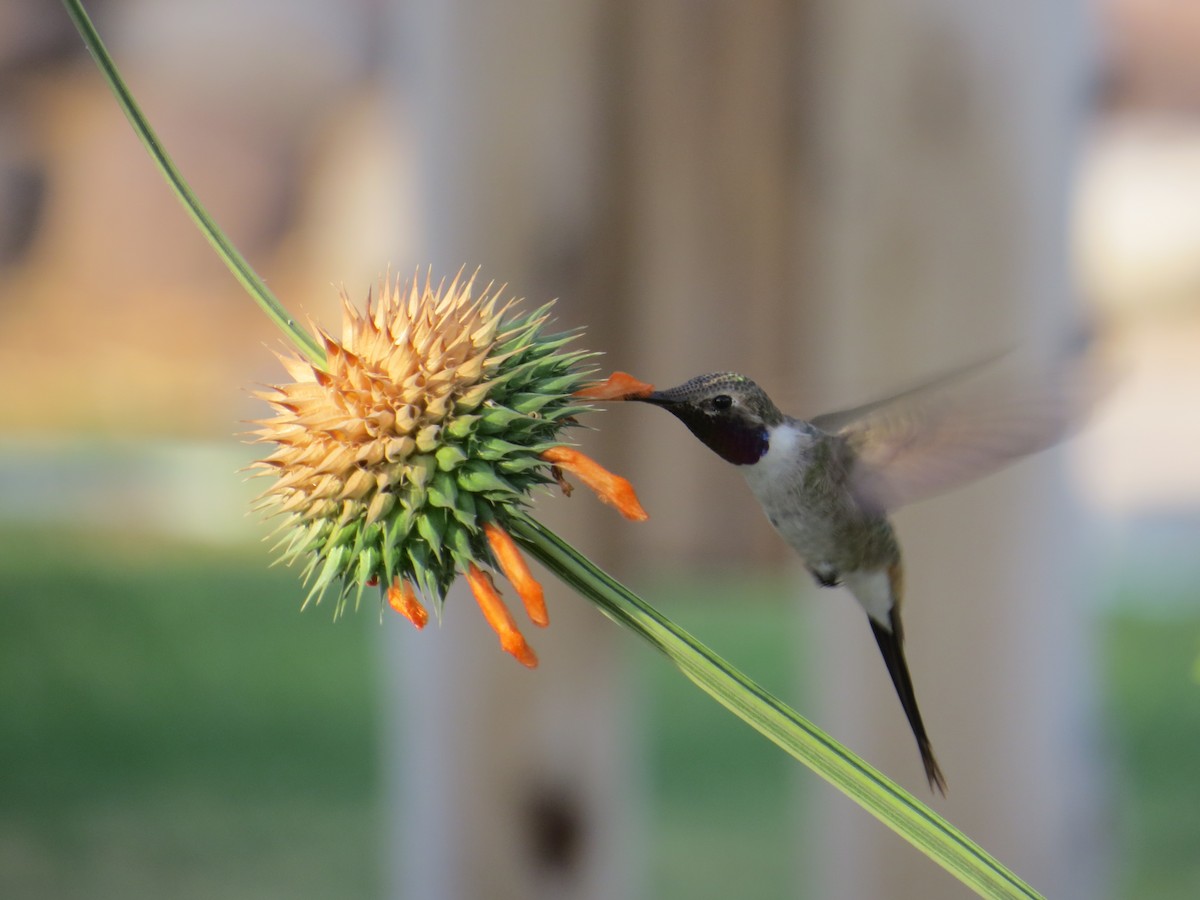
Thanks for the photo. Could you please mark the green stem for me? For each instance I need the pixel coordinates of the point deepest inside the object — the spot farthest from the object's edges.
(772, 718)
(242, 271)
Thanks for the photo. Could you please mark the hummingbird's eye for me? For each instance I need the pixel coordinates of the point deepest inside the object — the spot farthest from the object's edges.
(722, 401)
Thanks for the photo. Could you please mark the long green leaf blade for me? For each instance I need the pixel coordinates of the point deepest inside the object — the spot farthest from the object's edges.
(867, 786)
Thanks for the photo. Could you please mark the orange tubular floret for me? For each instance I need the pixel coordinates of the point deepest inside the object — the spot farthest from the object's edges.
(403, 599)
(617, 386)
(608, 487)
(516, 570)
(498, 616)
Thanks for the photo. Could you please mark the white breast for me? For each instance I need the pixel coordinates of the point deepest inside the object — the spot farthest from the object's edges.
(775, 480)
(778, 465)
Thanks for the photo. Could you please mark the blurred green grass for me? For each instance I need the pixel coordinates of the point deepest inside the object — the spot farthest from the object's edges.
(706, 769)
(1153, 721)
(171, 725)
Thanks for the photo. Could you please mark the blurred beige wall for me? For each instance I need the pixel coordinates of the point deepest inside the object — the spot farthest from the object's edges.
(837, 199)
(113, 309)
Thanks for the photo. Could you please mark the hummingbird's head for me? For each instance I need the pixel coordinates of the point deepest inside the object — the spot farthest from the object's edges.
(728, 412)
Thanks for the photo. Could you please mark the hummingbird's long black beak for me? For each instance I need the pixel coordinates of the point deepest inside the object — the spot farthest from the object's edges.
(675, 401)
(672, 403)
(655, 398)
(666, 399)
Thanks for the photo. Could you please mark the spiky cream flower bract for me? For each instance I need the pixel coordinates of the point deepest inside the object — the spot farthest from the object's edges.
(402, 459)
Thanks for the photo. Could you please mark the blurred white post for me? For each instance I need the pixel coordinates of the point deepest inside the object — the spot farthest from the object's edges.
(948, 130)
(506, 783)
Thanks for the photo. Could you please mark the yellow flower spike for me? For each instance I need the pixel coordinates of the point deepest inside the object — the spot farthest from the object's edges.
(403, 599)
(404, 461)
(610, 488)
(499, 617)
(420, 426)
(516, 570)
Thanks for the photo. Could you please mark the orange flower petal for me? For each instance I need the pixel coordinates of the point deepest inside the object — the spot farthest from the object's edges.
(516, 570)
(498, 616)
(617, 386)
(610, 488)
(403, 599)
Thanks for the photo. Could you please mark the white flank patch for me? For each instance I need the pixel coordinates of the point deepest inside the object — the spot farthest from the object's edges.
(873, 592)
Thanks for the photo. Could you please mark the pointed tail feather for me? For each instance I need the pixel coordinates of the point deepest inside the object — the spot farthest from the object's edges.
(890, 640)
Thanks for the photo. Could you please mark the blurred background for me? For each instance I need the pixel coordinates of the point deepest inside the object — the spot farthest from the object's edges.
(838, 199)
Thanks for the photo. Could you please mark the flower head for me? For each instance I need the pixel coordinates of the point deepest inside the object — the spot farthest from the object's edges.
(401, 461)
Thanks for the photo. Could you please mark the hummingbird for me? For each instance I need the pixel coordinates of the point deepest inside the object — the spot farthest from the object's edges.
(827, 484)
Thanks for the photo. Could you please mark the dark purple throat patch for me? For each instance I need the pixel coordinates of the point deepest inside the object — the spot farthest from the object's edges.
(742, 445)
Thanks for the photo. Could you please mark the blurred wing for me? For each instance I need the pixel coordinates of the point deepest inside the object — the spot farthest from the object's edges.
(959, 428)
(835, 422)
